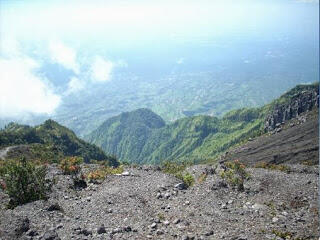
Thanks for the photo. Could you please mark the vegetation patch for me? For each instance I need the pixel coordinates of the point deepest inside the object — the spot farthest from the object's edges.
(103, 172)
(173, 168)
(23, 181)
(178, 170)
(235, 174)
(50, 142)
(202, 177)
(71, 165)
(188, 179)
(285, 235)
(279, 167)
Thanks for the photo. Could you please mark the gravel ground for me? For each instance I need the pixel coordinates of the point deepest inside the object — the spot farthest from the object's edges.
(146, 204)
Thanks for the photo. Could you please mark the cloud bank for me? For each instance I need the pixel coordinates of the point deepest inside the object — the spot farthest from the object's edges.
(64, 56)
(75, 85)
(23, 91)
(101, 70)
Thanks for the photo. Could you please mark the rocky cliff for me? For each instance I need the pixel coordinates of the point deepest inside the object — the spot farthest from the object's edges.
(299, 103)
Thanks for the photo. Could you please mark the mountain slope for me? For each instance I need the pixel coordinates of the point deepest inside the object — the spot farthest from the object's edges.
(296, 142)
(197, 138)
(126, 134)
(52, 139)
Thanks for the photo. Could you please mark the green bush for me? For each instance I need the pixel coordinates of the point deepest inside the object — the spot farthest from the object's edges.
(279, 167)
(172, 167)
(176, 169)
(188, 179)
(235, 174)
(23, 181)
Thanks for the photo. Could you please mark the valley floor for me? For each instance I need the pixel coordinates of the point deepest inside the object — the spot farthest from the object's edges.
(147, 205)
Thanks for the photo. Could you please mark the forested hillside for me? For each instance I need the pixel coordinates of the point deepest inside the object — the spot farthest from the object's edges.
(52, 141)
(142, 137)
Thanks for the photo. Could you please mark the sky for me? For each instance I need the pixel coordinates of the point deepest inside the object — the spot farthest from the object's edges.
(88, 41)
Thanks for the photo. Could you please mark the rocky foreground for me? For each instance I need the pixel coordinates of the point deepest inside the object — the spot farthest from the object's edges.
(145, 203)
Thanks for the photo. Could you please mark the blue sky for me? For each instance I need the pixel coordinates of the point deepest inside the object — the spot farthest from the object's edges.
(84, 39)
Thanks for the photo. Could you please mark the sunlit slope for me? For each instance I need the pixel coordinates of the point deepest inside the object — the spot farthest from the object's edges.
(196, 139)
(52, 141)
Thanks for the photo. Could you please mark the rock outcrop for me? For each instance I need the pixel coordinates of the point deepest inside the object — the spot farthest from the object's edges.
(298, 104)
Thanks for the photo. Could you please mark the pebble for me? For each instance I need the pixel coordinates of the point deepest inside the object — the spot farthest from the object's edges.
(127, 229)
(181, 186)
(210, 233)
(258, 206)
(176, 221)
(101, 229)
(116, 230)
(159, 195)
(159, 232)
(153, 225)
(50, 235)
(166, 222)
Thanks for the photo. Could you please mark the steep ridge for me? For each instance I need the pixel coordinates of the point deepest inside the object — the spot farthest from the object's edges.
(297, 141)
(291, 105)
(199, 138)
(49, 140)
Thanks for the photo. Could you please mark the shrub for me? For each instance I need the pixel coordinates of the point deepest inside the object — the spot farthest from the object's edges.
(23, 181)
(188, 179)
(279, 167)
(71, 165)
(176, 169)
(235, 174)
(112, 170)
(98, 174)
(103, 172)
(172, 168)
(282, 235)
(202, 177)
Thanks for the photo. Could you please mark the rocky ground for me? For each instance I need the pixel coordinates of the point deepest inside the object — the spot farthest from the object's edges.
(145, 203)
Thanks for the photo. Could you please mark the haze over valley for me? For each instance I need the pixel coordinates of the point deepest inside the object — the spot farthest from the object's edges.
(204, 57)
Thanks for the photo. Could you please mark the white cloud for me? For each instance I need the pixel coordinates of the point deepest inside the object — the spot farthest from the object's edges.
(63, 55)
(22, 91)
(101, 70)
(75, 85)
(9, 46)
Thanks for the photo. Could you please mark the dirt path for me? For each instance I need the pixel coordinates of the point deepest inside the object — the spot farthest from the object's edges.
(4, 152)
